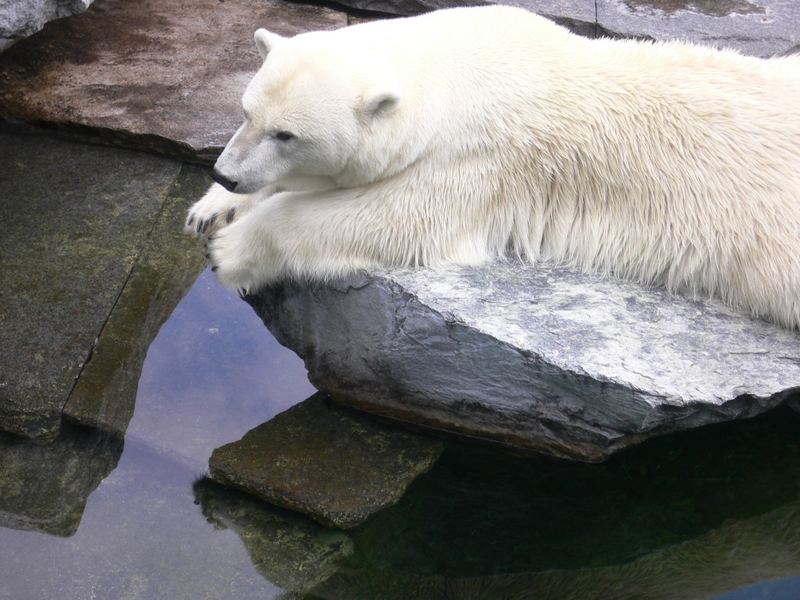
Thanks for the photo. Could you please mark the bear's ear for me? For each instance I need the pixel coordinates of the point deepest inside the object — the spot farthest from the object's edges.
(266, 41)
(380, 101)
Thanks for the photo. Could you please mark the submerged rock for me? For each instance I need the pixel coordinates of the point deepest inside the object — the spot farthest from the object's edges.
(287, 549)
(21, 18)
(569, 364)
(330, 463)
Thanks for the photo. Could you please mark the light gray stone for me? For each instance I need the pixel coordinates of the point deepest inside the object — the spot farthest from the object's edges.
(543, 358)
(755, 27)
(21, 18)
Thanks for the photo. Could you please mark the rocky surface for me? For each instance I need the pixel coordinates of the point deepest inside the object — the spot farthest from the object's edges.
(169, 79)
(105, 395)
(287, 549)
(330, 463)
(756, 27)
(45, 488)
(573, 365)
(21, 18)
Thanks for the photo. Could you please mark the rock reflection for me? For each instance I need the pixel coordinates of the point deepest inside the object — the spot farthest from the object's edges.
(45, 487)
(689, 516)
(737, 554)
(289, 550)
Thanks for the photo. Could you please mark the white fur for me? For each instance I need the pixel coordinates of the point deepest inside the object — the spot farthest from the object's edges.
(467, 134)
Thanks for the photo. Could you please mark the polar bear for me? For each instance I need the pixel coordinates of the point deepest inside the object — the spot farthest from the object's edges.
(473, 133)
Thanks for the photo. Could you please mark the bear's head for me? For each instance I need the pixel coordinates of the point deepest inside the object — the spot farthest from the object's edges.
(317, 109)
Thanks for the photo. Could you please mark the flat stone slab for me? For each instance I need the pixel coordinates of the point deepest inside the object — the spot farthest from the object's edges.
(334, 465)
(569, 364)
(74, 219)
(164, 75)
(289, 550)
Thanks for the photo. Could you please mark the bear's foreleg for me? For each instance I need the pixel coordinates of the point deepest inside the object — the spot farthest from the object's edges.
(321, 235)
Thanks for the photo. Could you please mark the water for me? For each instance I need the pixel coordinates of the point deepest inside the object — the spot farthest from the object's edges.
(712, 513)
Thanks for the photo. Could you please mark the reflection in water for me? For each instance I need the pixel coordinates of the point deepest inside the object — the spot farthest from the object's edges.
(682, 517)
(212, 373)
(288, 549)
(44, 488)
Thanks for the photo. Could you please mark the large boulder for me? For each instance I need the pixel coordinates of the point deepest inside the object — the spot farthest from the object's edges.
(535, 357)
(21, 18)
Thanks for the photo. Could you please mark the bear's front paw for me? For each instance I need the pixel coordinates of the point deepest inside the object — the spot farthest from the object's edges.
(242, 257)
(198, 223)
(215, 210)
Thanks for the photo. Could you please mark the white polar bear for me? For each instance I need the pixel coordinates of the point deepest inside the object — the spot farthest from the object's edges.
(467, 134)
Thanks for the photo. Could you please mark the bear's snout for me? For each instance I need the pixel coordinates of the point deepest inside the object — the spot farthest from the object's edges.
(222, 180)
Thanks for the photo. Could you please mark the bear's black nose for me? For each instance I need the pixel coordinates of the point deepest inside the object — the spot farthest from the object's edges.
(223, 181)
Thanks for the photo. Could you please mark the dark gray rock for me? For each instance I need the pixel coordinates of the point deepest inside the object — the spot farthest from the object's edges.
(287, 549)
(330, 463)
(44, 488)
(21, 18)
(74, 219)
(535, 357)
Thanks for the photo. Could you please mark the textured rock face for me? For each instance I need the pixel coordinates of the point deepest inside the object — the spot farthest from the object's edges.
(536, 357)
(331, 464)
(21, 18)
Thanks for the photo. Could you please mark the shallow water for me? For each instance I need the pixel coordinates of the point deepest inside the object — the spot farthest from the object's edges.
(709, 513)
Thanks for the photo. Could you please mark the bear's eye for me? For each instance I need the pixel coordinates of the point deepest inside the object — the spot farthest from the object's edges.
(284, 136)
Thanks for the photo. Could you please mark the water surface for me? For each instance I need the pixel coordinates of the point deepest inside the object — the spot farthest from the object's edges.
(710, 513)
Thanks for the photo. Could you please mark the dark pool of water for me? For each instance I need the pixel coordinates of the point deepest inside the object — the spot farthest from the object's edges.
(712, 513)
